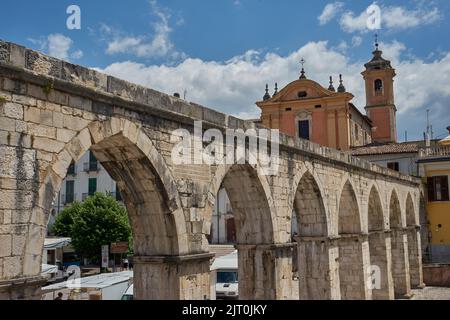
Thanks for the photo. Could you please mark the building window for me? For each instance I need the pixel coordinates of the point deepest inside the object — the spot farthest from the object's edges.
(394, 166)
(303, 129)
(92, 188)
(438, 188)
(378, 87)
(71, 170)
(356, 131)
(302, 94)
(70, 191)
(93, 163)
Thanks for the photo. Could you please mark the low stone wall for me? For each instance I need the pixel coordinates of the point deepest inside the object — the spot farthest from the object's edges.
(436, 275)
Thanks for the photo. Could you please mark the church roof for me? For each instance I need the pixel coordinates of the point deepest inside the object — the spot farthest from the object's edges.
(378, 62)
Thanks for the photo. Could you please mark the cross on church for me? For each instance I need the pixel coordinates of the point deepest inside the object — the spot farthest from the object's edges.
(302, 62)
(302, 76)
(376, 40)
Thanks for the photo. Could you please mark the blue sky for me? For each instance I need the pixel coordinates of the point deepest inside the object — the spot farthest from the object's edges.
(222, 52)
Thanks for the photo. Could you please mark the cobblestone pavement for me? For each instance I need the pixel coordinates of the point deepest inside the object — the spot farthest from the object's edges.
(431, 293)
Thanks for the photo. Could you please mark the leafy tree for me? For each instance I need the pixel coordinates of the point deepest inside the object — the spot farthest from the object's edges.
(64, 221)
(99, 220)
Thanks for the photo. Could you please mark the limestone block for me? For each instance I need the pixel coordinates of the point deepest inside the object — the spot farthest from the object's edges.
(32, 114)
(63, 162)
(42, 131)
(24, 100)
(49, 145)
(12, 267)
(5, 246)
(65, 135)
(18, 244)
(74, 123)
(58, 119)
(13, 110)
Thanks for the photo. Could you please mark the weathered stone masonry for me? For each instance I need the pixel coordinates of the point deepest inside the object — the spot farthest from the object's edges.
(351, 214)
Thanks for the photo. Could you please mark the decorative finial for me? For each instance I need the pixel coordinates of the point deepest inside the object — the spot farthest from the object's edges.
(331, 87)
(341, 87)
(267, 95)
(376, 41)
(302, 75)
(276, 89)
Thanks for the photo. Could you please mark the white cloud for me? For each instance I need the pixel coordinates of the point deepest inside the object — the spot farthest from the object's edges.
(392, 18)
(58, 46)
(78, 54)
(356, 41)
(141, 46)
(234, 86)
(401, 18)
(330, 11)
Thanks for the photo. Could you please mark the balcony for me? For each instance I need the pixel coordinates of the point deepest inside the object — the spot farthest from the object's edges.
(435, 152)
(91, 167)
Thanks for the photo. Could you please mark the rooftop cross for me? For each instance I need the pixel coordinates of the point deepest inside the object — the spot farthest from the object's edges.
(302, 76)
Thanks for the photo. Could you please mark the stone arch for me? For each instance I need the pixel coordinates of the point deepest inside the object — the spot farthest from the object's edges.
(311, 215)
(308, 177)
(379, 248)
(146, 184)
(317, 272)
(228, 176)
(254, 213)
(353, 247)
(410, 212)
(400, 259)
(395, 211)
(375, 212)
(349, 217)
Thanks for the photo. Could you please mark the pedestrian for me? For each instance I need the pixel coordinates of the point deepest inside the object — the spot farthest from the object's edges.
(60, 296)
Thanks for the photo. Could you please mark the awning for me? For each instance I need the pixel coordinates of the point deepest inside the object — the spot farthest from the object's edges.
(230, 261)
(53, 243)
(48, 269)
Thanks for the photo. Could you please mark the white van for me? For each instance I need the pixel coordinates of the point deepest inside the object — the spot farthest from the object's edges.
(128, 294)
(226, 268)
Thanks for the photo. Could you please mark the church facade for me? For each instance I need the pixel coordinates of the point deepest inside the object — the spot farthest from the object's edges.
(327, 116)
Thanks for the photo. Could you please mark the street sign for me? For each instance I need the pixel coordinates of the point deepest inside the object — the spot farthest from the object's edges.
(105, 256)
(119, 247)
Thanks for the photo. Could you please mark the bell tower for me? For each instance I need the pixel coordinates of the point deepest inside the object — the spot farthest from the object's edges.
(380, 106)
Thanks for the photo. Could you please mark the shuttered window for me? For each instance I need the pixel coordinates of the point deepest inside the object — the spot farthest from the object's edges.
(438, 188)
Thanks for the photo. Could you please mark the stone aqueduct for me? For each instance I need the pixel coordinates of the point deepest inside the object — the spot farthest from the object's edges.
(351, 214)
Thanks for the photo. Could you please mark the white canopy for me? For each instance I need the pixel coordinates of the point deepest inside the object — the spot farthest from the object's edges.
(99, 281)
(48, 269)
(53, 243)
(230, 261)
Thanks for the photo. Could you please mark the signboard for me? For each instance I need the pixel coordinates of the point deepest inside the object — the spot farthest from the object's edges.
(105, 256)
(119, 247)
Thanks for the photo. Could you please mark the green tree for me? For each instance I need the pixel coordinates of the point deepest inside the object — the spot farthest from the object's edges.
(99, 220)
(64, 221)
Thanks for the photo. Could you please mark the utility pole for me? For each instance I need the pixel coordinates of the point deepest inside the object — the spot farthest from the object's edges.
(428, 134)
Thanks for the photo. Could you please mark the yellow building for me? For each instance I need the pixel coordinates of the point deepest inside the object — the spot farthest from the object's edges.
(434, 165)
